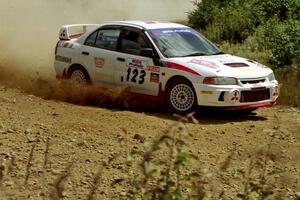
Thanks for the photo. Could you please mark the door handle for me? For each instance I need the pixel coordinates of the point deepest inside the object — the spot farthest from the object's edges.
(85, 53)
(121, 59)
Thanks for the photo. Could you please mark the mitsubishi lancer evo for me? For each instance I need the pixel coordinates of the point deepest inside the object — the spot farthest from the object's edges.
(165, 62)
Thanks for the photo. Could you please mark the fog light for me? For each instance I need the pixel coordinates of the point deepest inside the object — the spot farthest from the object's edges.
(276, 92)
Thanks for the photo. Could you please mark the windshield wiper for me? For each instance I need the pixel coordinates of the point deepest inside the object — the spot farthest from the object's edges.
(219, 53)
(198, 53)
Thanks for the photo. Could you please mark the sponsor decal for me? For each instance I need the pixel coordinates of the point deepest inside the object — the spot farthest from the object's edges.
(99, 62)
(159, 32)
(153, 69)
(205, 63)
(154, 77)
(176, 31)
(63, 59)
(131, 62)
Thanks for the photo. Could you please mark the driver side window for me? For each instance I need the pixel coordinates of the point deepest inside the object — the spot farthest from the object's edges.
(133, 42)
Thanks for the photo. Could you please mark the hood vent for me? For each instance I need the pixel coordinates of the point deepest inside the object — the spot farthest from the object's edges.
(236, 64)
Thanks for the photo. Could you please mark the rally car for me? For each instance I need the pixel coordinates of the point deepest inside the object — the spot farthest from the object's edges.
(166, 62)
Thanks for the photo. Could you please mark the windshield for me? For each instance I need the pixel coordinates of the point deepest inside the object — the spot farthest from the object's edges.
(182, 42)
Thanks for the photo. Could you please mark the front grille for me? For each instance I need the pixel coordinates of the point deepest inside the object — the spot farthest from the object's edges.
(253, 81)
(255, 95)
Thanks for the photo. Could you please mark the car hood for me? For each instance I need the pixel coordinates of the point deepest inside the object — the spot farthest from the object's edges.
(223, 65)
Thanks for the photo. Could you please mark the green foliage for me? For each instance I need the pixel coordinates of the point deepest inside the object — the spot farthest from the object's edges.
(274, 23)
(224, 20)
(283, 9)
(248, 49)
(283, 39)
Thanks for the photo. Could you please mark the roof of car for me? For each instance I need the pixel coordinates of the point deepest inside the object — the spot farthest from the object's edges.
(148, 24)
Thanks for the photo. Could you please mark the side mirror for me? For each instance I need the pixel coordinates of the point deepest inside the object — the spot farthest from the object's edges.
(146, 52)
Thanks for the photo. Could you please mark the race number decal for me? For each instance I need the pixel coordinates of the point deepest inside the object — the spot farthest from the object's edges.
(136, 76)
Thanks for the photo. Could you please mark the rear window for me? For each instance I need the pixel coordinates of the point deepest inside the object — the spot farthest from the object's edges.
(107, 39)
(91, 39)
(104, 39)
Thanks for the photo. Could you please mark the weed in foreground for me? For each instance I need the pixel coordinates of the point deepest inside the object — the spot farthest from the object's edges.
(163, 172)
(94, 186)
(255, 179)
(29, 162)
(58, 186)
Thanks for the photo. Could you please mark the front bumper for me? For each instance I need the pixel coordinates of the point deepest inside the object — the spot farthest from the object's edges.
(237, 96)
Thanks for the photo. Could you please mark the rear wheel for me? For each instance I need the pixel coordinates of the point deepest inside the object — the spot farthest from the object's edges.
(78, 76)
(181, 97)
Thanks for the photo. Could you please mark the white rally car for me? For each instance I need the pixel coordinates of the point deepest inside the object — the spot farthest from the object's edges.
(166, 62)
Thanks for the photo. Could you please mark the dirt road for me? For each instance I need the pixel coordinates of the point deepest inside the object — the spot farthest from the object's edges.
(40, 138)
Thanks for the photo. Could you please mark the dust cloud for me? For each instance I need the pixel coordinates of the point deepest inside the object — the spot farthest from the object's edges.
(29, 32)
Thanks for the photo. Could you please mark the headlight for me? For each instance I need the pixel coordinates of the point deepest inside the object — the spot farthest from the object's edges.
(271, 77)
(220, 81)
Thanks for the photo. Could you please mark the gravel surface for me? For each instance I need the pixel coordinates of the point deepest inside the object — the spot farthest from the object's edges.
(53, 149)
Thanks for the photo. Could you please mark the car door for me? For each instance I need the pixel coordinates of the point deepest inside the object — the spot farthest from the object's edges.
(133, 70)
(99, 53)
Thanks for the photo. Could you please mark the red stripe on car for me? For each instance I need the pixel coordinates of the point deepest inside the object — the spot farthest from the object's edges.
(181, 68)
(250, 106)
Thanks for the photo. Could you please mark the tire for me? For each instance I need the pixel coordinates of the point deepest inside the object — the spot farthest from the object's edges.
(79, 76)
(181, 97)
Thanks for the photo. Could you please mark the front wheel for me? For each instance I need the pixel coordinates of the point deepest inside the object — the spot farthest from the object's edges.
(181, 97)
